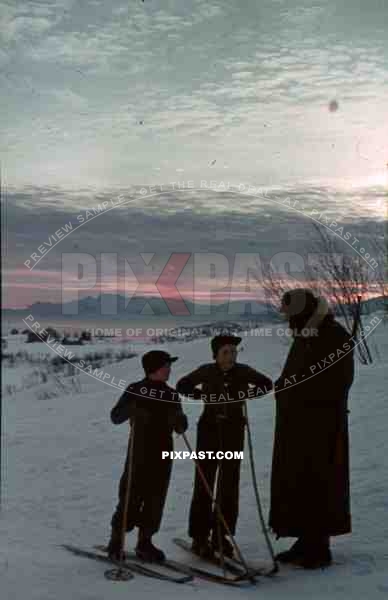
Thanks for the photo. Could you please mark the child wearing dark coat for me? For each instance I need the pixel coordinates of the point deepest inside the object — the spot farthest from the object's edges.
(225, 384)
(156, 410)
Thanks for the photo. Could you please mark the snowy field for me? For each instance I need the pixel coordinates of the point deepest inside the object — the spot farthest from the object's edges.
(63, 458)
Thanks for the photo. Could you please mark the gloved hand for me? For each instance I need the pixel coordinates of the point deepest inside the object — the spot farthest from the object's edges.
(181, 423)
(197, 394)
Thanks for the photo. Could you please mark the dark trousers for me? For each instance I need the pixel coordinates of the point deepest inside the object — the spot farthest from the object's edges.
(150, 481)
(203, 519)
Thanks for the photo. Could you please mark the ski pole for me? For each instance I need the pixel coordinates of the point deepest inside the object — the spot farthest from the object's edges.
(256, 491)
(217, 500)
(218, 509)
(128, 485)
(121, 573)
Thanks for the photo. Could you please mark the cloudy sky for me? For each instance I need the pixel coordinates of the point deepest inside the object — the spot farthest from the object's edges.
(102, 95)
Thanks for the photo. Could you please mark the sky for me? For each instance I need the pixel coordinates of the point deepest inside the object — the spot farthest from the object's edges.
(99, 97)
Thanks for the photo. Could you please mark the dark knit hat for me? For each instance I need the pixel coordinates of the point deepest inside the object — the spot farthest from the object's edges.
(155, 359)
(223, 340)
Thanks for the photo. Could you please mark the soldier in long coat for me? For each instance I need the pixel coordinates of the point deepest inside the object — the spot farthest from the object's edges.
(310, 497)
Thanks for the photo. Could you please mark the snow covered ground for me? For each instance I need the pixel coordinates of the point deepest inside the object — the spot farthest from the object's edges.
(63, 458)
